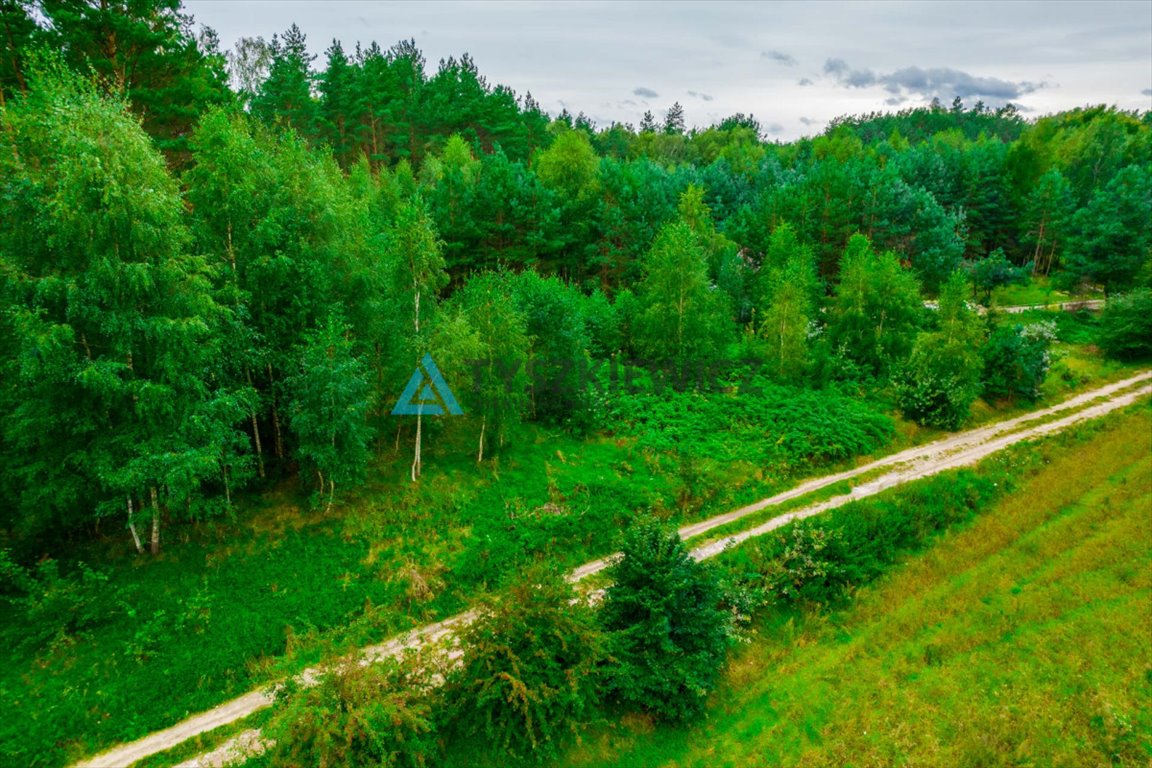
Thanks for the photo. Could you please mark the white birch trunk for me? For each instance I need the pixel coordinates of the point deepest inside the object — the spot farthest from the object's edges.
(132, 528)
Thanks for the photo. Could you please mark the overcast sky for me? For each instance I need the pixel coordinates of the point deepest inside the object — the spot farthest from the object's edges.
(793, 65)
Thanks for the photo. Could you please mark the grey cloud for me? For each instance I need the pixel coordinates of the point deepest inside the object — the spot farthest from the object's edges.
(781, 58)
(943, 82)
(895, 101)
(804, 81)
(774, 128)
(1146, 92)
(835, 67)
(808, 121)
(645, 93)
(845, 75)
(702, 96)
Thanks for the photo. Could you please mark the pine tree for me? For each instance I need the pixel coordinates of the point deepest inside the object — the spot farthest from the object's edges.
(285, 98)
(667, 630)
(145, 50)
(1047, 214)
(648, 122)
(674, 119)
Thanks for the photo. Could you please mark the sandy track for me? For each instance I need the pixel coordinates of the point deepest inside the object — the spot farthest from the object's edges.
(911, 464)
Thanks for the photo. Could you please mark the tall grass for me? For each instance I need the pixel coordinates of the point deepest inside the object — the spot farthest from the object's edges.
(1018, 638)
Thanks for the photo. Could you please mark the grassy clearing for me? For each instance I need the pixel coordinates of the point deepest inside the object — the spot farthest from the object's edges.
(1021, 638)
(1038, 290)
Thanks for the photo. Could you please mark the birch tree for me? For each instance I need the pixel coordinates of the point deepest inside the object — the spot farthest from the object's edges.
(113, 317)
(414, 252)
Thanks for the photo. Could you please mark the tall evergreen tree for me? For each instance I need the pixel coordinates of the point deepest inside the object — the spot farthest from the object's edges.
(674, 119)
(286, 97)
(1111, 240)
(146, 50)
(1047, 214)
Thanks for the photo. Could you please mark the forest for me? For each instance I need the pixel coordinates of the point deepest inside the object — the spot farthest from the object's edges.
(219, 270)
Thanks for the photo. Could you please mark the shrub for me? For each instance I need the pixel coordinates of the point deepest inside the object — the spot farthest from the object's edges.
(993, 271)
(55, 607)
(1016, 360)
(668, 628)
(818, 559)
(939, 384)
(529, 672)
(804, 570)
(1126, 326)
(375, 715)
(942, 376)
(770, 424)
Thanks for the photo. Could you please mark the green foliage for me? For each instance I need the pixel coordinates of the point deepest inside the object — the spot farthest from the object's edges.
(992, 272)
(788, 428)
(668, 630)
(111, 322)
(942, 376)
(1110, 239)
(285, 96)
(683, 320)
(788, 289)
(980, 604)
(876, 308)
(164, 339)
(554, 320)
(358, 715)
(529, 675)
(1047, 216)
(851, 546)
(602, 319)
(1126, 326)
(146, 50)
(1016, 360)
(499, 376)
(54, 608)
(570, 166)
(329, 398)
(802, 570)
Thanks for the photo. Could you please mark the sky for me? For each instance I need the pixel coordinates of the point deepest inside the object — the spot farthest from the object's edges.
(794, 66)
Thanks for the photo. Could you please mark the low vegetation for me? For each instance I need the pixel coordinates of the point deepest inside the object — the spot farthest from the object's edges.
(1019, 635)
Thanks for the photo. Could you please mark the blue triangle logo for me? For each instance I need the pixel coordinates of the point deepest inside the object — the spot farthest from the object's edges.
(427, 393)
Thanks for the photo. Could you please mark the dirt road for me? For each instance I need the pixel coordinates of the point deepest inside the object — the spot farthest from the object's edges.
(912, 464)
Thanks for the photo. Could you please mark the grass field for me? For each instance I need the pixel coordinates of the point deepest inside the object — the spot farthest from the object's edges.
(1037, 290)
(1021, 638)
